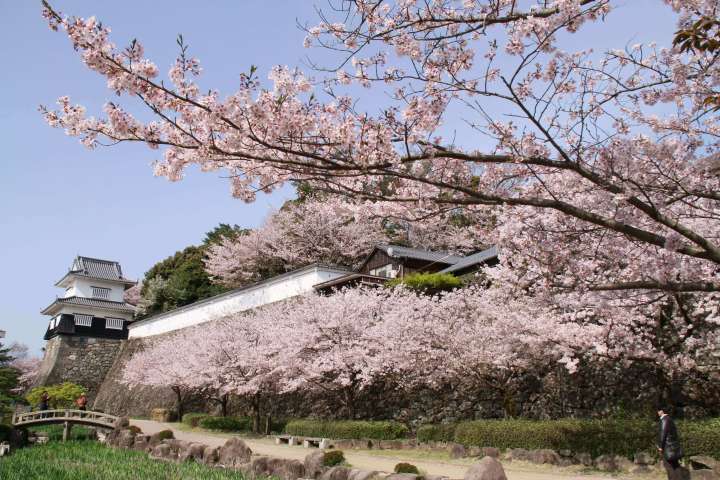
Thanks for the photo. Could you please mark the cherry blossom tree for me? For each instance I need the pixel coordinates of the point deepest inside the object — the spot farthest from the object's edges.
(28, 366)
(331, 231)
(598, 170)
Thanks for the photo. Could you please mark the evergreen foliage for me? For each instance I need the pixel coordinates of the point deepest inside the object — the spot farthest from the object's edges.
(8, 380)
(342, 429)
(61, 396)
(428, 283)
(181, 279)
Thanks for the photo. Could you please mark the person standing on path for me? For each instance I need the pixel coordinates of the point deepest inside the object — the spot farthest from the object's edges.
(81, 402)
(668, 445)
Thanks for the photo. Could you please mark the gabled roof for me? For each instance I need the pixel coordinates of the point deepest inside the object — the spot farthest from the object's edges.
(96, 268)
(88, 302)
(471, 260)
(398, 251)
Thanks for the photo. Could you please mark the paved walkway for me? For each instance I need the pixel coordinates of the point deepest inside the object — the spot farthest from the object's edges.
(380, 460)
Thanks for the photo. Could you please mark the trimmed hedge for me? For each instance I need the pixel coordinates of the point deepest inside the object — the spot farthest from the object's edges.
(596, 437)
(333, 458)
(444, 432)
(406, 468)
(430, 283)
(226, 424)
(193, 419)
(349, 429)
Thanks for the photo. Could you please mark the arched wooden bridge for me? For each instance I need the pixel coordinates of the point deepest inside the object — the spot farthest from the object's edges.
(66, 417)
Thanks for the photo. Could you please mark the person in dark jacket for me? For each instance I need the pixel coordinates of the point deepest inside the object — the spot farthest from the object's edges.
(668, 443)
(44, 399)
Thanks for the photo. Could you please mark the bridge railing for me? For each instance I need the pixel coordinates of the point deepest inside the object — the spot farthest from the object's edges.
(66, 414)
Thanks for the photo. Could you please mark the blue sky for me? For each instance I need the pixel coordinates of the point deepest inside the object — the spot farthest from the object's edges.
(58, 199)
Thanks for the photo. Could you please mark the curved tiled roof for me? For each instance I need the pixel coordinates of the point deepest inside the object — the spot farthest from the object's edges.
(398, 251)
(471, 260)
(97, 268)
(93, 302)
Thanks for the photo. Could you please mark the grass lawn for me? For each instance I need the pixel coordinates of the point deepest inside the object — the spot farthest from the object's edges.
(90, 460)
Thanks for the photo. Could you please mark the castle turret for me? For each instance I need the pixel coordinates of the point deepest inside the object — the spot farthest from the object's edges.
(87, 324)
(93, 304)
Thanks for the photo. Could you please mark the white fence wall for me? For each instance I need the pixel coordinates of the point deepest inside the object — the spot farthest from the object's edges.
(282, 287)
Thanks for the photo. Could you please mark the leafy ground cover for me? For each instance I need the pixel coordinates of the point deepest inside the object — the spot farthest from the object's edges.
(89, 460)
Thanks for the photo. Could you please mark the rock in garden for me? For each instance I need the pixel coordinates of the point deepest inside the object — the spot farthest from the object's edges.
(457, 451)
(258, 467)
(545, 456)
(704, 475)
(314, 464)
(336, 473)
(490, 452)
(192, 452)
(644, 458)
(126, 439)
(210, 455)
(234, 453)
(162, 450)
(142, 442)
(702, 462)
(518, 454)
(584, 459)
(623, 464)
(344, 444)
(121, 422)
(435, 477)
(357, 474)
(606, 463)
(402, 476)
(488, 468)
(285, 469)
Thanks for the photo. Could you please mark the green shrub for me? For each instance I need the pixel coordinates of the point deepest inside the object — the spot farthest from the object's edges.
(429, 283)
(226, 424)
(135, 429)
(165, 434)
(61, 396)
(333, 457)
(406, 468)
(382, 430)
(436, 433)
(597, 437)
(193, 419)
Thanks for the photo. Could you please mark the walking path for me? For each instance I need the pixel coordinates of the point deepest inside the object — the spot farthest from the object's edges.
(380, 460)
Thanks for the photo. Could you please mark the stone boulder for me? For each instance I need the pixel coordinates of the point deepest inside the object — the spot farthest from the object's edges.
(314, 467)
(163, 451)
(210, 455)
(126, 438)
(336, 473)
(142, 442)
(606, 463)
(121, 422)
(702, 462)
(283, 468)
(704, 474)
(234, 453)
(192, 452)
(644, 458)
(544, 456)
(488, 468)
(456, 450)
(357, 474)
(584, 459)
(518, 454)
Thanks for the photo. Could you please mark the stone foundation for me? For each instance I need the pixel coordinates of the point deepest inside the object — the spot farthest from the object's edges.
(81, 360)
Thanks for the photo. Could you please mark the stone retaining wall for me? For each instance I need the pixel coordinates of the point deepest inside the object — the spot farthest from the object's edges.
(82, 360)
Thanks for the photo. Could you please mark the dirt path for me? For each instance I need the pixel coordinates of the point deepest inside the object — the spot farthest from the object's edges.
(382, 460)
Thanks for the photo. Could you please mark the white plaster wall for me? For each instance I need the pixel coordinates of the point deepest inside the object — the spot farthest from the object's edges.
(82, 287)
(286, 286)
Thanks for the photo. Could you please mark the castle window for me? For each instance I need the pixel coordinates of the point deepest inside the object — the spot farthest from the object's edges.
(114, 323)
(100, 292)
(83, 320)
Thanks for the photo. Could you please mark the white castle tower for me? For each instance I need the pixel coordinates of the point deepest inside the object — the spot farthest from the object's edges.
(93, 304)
(88, 324)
